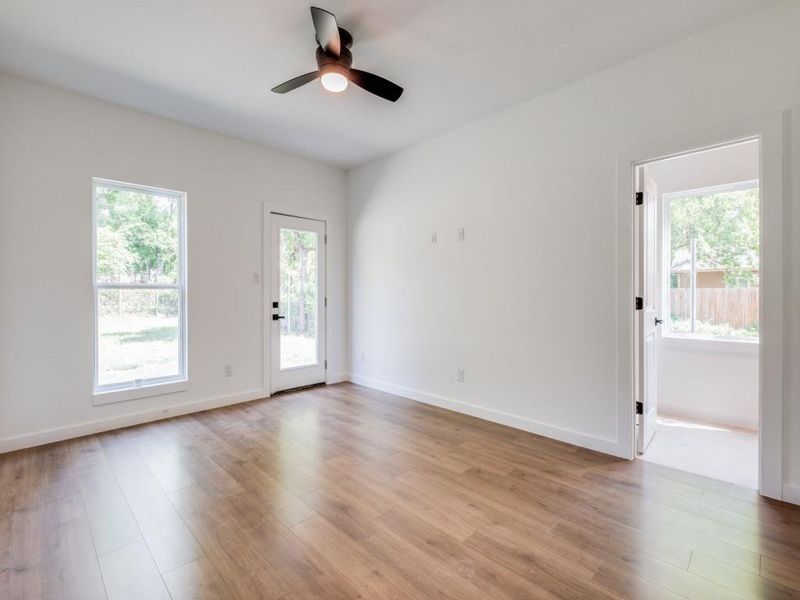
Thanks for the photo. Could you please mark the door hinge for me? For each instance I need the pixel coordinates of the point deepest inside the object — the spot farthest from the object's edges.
(326, 302)
(639, 303)
(326, 238)
(639, 198)
(639, 408)
(326, 364)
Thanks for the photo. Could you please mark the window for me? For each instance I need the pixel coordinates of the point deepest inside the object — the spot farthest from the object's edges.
(299, 291)
(139, 288)
(713, 261)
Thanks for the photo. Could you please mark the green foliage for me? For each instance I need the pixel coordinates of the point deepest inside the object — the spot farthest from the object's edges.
(298, 281)
(137, 237)
(121, 303)
(681, 324)
(726, 226)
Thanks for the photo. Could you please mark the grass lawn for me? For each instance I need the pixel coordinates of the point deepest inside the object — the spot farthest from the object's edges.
(141, 347)
(145, 347)
(297, 350)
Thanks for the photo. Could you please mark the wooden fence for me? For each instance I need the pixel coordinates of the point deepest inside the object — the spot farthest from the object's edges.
(737, 307)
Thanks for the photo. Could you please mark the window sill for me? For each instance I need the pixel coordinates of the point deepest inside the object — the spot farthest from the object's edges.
(709, 344)
(144, 391)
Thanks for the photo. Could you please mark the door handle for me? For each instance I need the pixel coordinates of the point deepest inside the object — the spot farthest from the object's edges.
(276, 317)
(659, 321)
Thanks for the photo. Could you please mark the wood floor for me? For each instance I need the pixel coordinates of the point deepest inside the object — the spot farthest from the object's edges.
(344, 492)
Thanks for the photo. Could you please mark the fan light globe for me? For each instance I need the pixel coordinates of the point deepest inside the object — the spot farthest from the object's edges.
(333, 81)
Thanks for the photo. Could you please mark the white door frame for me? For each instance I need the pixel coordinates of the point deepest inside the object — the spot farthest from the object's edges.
(770, 130)
(266, 279)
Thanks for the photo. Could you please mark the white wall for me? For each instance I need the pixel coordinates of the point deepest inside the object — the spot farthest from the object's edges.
(526, 304)
(52, 143)
(715, 381)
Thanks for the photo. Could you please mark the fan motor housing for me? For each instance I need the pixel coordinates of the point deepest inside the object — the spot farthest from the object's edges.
(345, 58)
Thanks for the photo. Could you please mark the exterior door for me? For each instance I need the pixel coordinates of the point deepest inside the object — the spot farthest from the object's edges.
(297, 335)
(647, 317)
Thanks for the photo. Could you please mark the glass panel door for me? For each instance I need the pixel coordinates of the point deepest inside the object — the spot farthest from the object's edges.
(297, 288)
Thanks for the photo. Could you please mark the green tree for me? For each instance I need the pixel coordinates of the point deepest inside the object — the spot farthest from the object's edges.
(136, 237)
(299, 280)
(726, 227)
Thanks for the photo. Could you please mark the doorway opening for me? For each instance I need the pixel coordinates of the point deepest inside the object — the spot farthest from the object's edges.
(697, 275)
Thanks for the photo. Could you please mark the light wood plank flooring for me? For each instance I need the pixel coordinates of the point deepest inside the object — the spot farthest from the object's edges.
(344, 492)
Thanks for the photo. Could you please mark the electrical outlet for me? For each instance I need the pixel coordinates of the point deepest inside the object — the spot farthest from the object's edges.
(433, 238)
(460, 234)
(256, 278)
(228, 370)
(460, 375)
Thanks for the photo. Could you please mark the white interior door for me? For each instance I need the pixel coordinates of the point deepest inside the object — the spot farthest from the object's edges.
(647, 319)
(297, 334)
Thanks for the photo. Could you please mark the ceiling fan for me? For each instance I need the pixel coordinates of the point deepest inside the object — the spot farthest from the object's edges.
(333, 61)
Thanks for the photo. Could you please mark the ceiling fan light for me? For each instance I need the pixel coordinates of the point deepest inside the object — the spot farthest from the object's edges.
(334, 78)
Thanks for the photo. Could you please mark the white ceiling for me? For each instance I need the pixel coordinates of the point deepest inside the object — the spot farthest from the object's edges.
(212, 63)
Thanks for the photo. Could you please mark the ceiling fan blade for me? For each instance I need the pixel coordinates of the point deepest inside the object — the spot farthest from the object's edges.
(292, 84)
(376, 85)
(327, 31)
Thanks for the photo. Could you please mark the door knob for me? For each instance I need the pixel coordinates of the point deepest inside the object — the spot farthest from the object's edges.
(276, 317)
(659, 321)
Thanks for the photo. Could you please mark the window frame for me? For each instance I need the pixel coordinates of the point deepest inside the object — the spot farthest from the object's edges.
(141, 388)
(666, 268)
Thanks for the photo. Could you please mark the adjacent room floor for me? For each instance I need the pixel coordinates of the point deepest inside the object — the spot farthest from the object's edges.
(343, 492)
(717, 451)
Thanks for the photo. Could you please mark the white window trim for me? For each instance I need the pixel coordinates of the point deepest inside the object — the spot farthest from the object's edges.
(111, 393)
(682, 338)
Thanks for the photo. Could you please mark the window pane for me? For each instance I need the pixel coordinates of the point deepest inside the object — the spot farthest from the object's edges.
(137, 237)
(298, 297)
(680, 296)
(725, 227)
(138, 334)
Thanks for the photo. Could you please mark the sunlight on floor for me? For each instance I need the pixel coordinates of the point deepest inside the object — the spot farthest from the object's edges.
(727, 454)
(665, 422)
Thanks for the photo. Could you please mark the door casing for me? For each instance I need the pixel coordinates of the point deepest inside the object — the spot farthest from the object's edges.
(266, 294)
(770, 131)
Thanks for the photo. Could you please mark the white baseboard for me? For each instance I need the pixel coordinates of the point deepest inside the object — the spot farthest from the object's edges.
(337, 378)
(569, 436)
(58, 434)
(791, 493)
